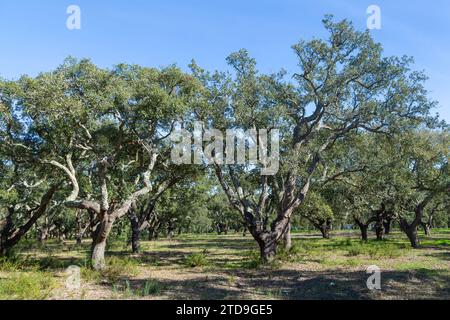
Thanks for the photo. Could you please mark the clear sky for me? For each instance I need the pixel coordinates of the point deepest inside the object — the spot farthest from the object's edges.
(34, 36)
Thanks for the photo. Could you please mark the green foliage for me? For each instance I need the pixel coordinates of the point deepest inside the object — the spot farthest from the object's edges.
(252, 260)
(152, 287)
(8, 264)
(375, 249)
(222, 214)
(26, 286)
(149, 288)
(315, 207)
(119, 267)
(198, 259)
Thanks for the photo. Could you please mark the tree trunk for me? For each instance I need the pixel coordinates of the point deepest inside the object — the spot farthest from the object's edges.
(98, 255)
(79, 235)
(323, 225)
(219, 229)
(99, 243)
(387, 226)
(379, 230)
(92, 223)
(326, 227)
(7, 225)
(171, 229)
(42, 234)
(153, 234)
(411, 232)
(266, 223)
(268, 240)
(82, 228)
(426, 228)
(413, 237)
(61, 236)
(325, 232)
(287, 238)
(268, 250)
(5, 247)
(411, 229)
(3, 251)
(82, 231)
(135, 231)
(10, 235)
(363, 228)
(153, 230)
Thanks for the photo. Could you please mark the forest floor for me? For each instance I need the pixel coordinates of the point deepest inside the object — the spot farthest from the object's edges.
(227, 267)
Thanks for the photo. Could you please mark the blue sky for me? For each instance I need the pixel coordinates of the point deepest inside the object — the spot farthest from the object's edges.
(34, 36)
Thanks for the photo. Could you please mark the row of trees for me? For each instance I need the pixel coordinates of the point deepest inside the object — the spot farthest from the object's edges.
(357, 141)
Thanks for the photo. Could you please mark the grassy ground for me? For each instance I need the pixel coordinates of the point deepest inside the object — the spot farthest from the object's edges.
(227, 267)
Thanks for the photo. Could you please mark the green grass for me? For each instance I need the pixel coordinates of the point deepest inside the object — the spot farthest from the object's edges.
(35, 269)
(117, 268)
(90, 275)
(253, 260)
(415, 266)
(149, 288)
(376, 249)
(197, 259)
(351, 252)
(152, 287)
(27, 286)
(436, 242)
(9, 265)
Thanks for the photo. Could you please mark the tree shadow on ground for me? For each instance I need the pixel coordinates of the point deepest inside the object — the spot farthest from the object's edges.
(156, 258)
(223, 243)
(301, 285)
(440, 254)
